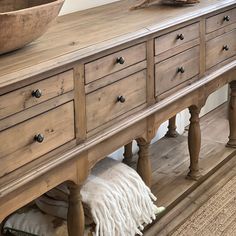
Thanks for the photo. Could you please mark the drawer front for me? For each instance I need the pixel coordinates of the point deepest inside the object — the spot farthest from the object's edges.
(221, 20)
(176, 70)
(176, 38)
(220, 48)
(18, 144)
(25, 97)
(114, 62)
(104, 104)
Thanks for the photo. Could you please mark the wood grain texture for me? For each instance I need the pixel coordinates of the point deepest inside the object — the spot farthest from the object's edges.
(34, 111)
(170, 161)
(79, 100)
(76, 220)
(172, 132)
(12, 183)
(220, 31)
(194, 142)
(166, 72)
(103, 106)
(96, 120)
(214, 48)
(99, 130)
(218, 21)
(174, 51)
(170, 40)
(108, 65)
(52, 50)
(18, 144)
(106, 147)
(202, 46)
(193, 200)
(109, 79)
(36, 188)
(29, 20)
(144, 164)
(22, 99)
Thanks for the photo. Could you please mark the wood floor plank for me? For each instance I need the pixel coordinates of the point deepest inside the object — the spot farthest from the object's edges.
(194, 200)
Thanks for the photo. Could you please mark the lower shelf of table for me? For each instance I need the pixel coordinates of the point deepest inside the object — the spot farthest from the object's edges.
(170, 159)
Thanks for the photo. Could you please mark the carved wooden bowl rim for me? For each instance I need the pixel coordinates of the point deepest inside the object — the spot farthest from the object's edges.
(50, 3)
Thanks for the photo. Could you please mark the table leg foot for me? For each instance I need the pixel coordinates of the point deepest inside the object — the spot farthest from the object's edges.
(193, 175)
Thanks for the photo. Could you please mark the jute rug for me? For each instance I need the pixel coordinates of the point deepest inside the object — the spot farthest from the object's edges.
(215, 217)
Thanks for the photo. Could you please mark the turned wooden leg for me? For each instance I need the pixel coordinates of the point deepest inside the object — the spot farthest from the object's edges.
(232, 116)
(172, 133)
(194, 143)
(75, 219)
(144, 164)
(128, 154)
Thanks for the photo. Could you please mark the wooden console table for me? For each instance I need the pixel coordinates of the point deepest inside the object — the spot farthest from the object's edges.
(99, 79)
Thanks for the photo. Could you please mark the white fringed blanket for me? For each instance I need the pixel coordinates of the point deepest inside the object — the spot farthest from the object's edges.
(120, 203)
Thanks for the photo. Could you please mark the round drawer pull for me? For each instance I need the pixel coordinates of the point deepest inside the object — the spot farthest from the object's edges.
(37, 93)
(181, 70)
(39, 138)
(180, 36)
(120, 99)
(226, 18)
(120, 60)
(226, 48)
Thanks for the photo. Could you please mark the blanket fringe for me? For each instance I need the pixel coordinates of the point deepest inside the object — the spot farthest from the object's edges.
(122, 206)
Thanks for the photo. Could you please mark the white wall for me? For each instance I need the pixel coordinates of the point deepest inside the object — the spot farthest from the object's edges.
(213, 101)
(77, 5)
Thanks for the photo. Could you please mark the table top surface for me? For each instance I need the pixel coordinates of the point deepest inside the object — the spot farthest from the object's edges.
(81, 34)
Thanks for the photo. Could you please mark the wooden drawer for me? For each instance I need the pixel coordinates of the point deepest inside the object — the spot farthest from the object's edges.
(112, 63)
(176, 70)
(220, 20)
(216, 49)
(103, 104)
(23, 98)
(176, 38)
(18, 144)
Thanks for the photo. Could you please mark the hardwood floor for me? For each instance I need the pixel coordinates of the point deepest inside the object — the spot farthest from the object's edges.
(170, 161)
(170, 158)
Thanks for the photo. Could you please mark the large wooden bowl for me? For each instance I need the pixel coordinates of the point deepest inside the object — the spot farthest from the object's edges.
(22, 21)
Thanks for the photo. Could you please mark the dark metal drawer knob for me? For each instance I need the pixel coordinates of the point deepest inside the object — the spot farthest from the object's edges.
(120, 60)
(180, 36)
(120, 99)
(226, 48)
(181, 70)
(39, 138)
(37, 93)
(226, 18)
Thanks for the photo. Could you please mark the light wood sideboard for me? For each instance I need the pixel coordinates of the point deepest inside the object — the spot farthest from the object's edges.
(99, 79)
